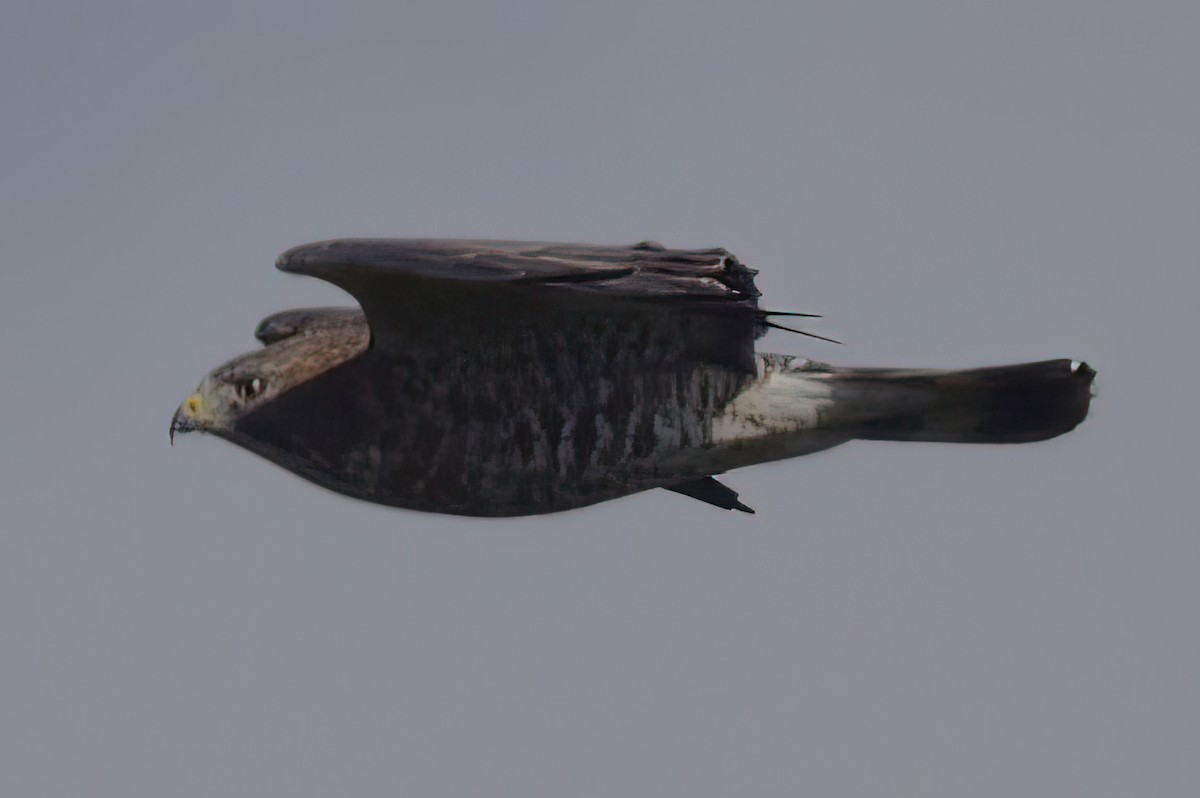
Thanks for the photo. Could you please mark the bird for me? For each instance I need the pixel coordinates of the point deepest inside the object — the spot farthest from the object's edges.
(510, 378)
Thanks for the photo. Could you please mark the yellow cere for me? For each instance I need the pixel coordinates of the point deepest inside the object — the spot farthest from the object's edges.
(193, 403)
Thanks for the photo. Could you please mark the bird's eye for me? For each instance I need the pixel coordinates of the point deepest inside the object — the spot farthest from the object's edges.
(248, 389)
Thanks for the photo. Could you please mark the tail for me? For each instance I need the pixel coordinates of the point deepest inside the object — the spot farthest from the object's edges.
(1003, 404)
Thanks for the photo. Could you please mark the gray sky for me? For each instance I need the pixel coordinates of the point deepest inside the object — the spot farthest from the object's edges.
(952, 184)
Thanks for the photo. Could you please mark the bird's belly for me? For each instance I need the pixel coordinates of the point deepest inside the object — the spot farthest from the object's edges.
(507, 442)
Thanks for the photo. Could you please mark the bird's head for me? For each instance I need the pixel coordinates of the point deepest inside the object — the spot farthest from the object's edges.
(233, 389)
(247, 383)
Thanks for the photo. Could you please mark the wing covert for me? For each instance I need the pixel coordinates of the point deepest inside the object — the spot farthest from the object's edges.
(286, 323)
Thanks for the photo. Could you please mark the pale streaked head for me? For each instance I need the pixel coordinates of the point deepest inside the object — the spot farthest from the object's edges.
(252, 380)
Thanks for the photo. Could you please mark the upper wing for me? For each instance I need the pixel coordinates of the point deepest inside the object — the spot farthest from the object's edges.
(490, 292)
(644, 270)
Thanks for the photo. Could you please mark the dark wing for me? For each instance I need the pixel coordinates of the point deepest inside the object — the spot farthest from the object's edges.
(644, 270)
(287, 323)
(493, 291)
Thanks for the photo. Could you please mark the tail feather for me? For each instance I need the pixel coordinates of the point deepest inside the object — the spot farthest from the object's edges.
(1002, 404)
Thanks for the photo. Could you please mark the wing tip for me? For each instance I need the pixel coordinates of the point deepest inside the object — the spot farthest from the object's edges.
(298, 259)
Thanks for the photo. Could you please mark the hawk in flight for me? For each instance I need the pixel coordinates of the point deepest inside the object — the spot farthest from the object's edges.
(503, 378)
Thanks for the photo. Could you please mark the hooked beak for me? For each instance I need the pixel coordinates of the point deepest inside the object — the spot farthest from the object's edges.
(185, 418)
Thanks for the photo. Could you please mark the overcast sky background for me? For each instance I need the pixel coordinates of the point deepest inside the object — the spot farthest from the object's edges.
(951, 183)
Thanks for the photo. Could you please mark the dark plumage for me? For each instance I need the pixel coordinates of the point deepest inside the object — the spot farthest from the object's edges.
(510, 378)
